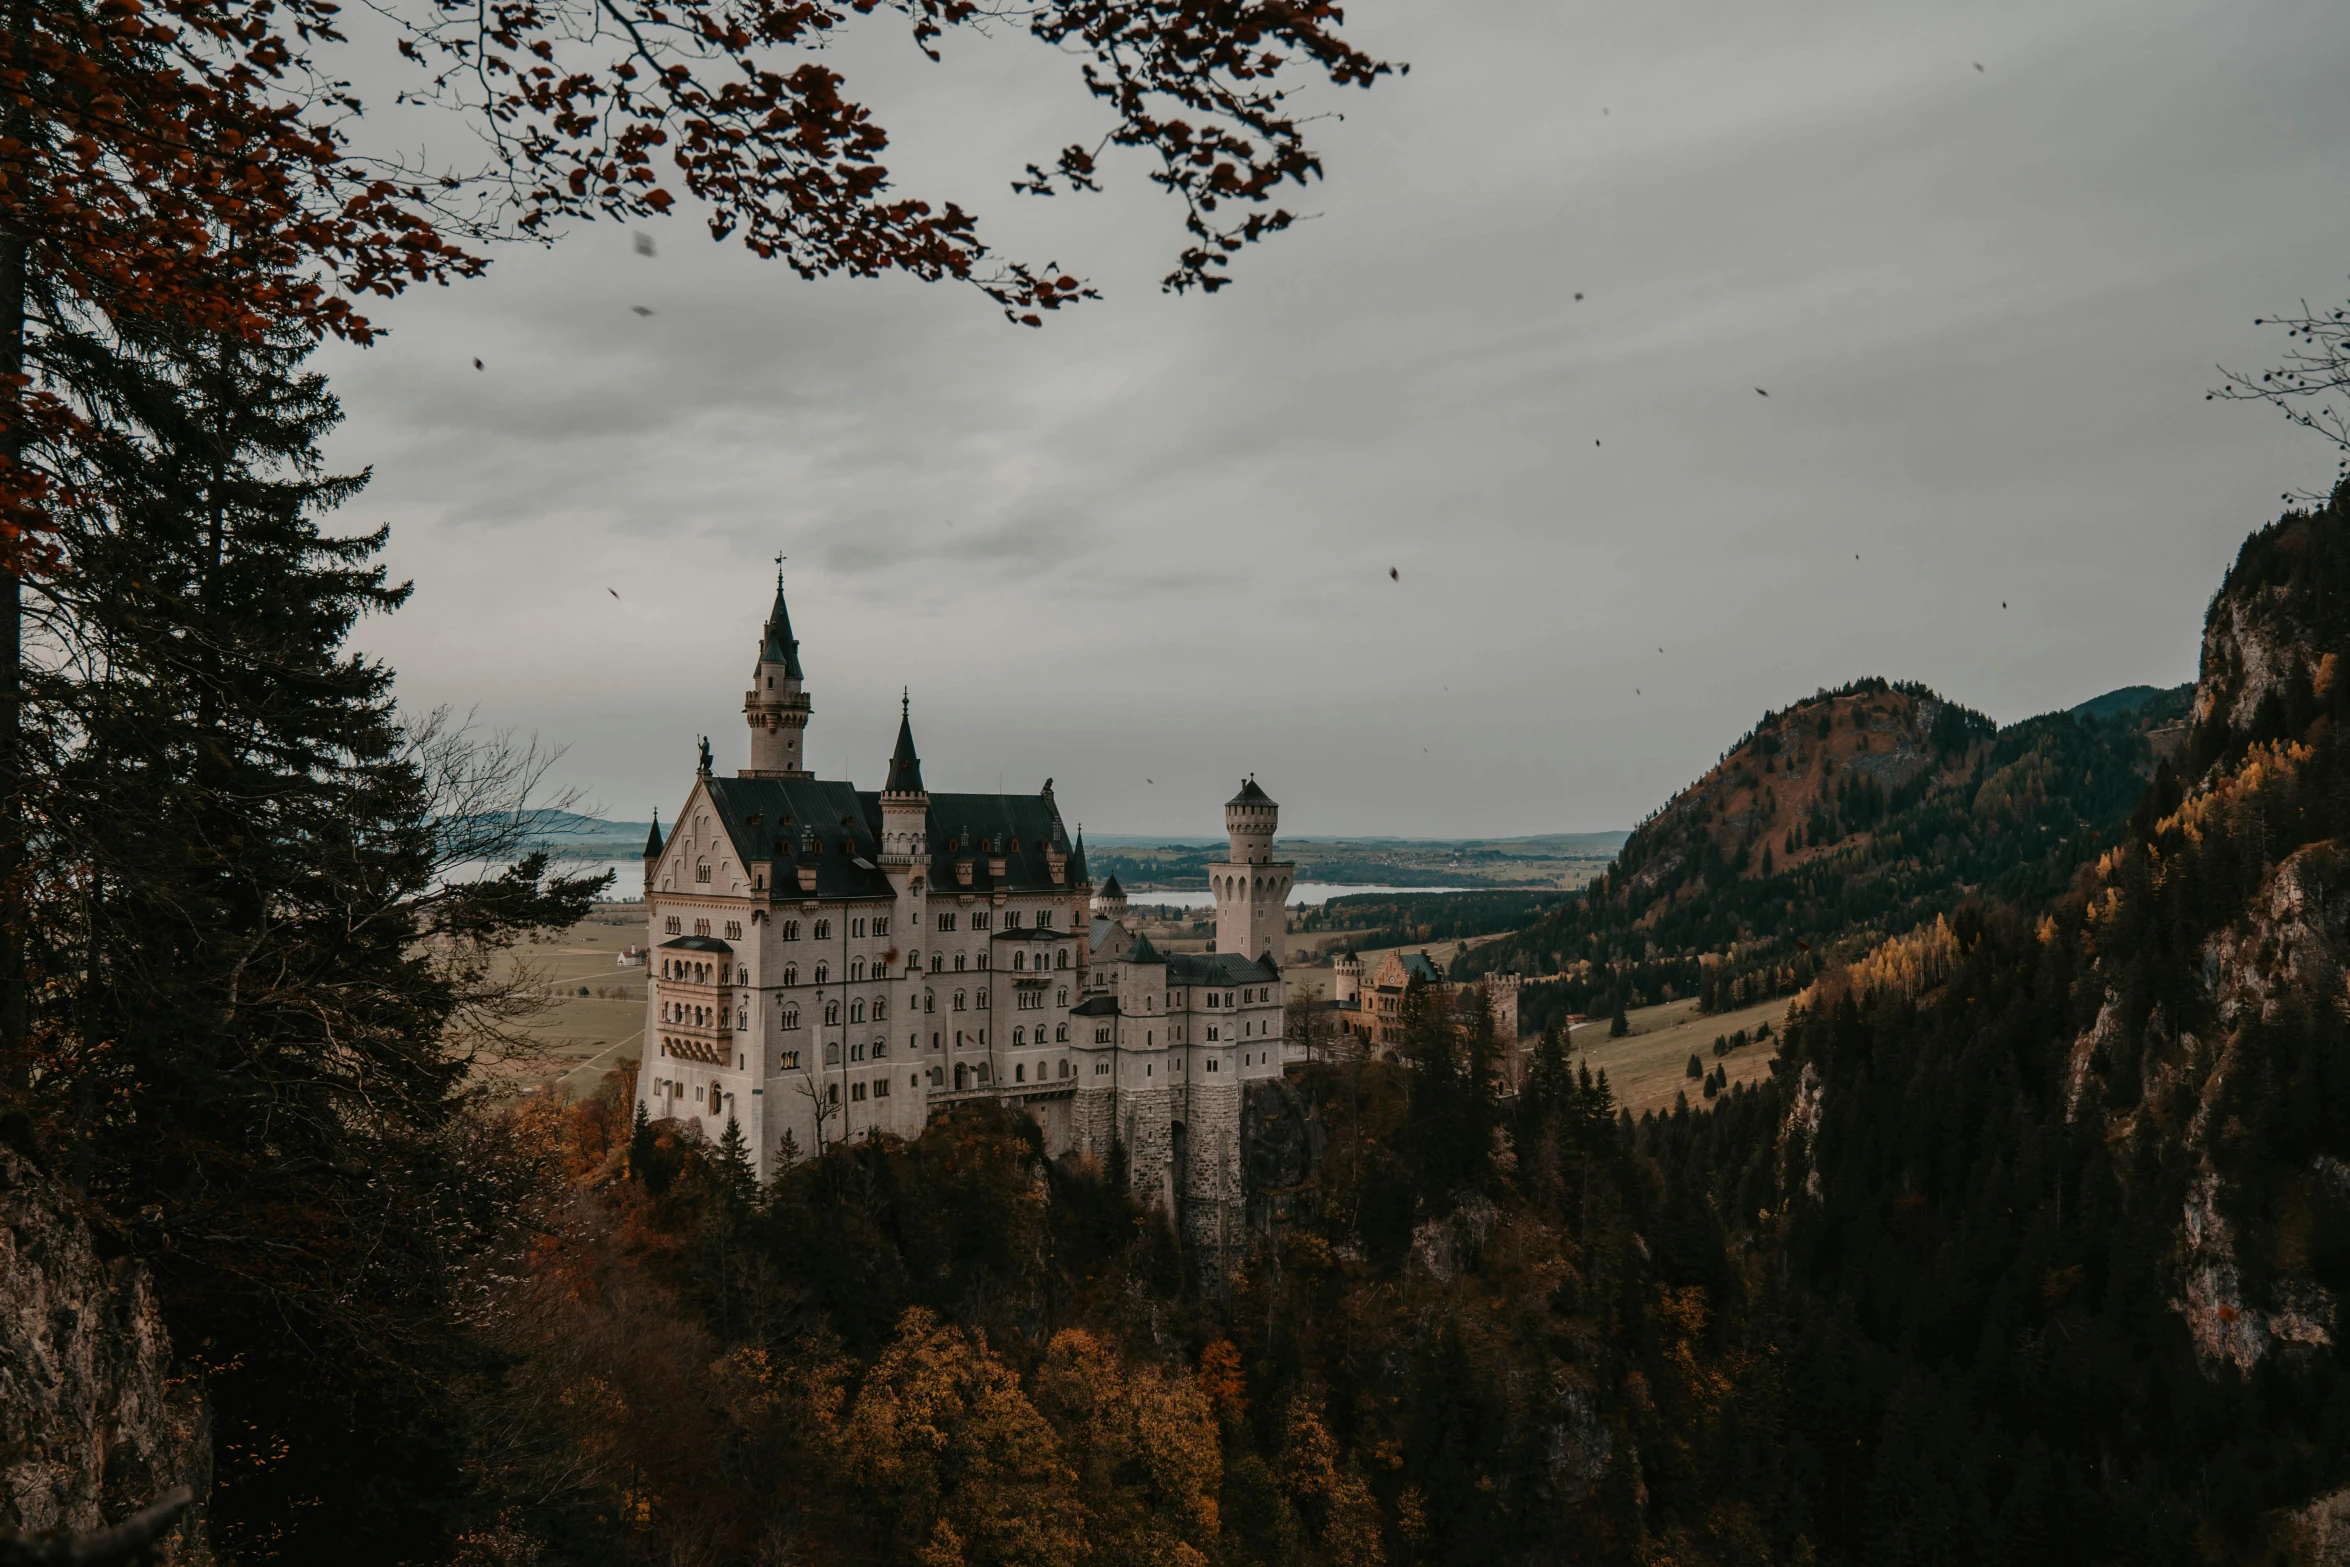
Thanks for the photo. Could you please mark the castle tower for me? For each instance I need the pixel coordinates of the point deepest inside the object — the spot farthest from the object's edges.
(776, 708)
(653, 851)
(1252, 888)
(905, 804)
(1110, 902)
(1346, 983)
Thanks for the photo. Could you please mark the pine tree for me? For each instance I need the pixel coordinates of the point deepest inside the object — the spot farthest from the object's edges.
(248, 958)
(737, 1181)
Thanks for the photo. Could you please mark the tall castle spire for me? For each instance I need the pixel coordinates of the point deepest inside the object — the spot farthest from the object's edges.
(905, 767)
(776, 708)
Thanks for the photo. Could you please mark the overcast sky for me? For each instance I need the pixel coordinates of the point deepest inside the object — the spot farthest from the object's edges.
(1147, 549)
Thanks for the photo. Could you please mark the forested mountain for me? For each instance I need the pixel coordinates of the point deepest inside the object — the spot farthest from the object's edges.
(2031, 1250)
(1834, 823)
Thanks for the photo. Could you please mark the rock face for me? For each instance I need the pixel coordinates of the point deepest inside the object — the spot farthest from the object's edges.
(92, 1424)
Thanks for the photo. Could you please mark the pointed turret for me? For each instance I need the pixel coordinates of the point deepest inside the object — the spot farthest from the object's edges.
(775, 707)
(653, 838)
(1077, 873)
(905, 767)
(780, 646)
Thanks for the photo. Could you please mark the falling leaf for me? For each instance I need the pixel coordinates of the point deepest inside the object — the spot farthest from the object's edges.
(644, 244)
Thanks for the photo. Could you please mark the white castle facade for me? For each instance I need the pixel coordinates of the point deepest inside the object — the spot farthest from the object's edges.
(828, 962)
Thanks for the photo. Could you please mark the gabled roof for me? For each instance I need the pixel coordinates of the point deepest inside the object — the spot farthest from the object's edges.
(779, 645)
(974, 824)
(1217, 968)
(1417, 965)
(802, 821)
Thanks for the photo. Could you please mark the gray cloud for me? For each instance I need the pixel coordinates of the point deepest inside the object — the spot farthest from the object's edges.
(1153, 540)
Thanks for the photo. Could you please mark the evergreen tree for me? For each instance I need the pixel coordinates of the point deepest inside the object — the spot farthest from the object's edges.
(253, 972)
(738, 1183)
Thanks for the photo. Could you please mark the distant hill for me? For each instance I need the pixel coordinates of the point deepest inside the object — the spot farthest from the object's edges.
(2131, 699)
(1836, 822)
(569, 834)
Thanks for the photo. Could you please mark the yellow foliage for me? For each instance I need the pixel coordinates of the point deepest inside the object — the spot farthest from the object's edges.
(1144, 1442)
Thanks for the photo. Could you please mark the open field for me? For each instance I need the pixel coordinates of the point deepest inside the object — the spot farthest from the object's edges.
(1648, 1066)
(582, 1036)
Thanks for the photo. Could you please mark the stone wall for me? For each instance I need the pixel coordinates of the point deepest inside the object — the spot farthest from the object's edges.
(1145, 1123)
(92, 1424)
(1212, 1193)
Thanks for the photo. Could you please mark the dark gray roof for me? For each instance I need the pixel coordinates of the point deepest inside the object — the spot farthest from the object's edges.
(1141, 952)
(1111, 889)
(1249, 794)
(905, 768)
(653, 838)
(1096, 1006)
(698, 944)
(1417, 965)
(1218, 968)
(803, 821)
(780, 646)
(1077, 861)
(974, 821)
(1034, 933)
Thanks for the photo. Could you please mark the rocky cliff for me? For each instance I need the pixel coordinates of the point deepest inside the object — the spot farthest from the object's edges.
(93, 1424)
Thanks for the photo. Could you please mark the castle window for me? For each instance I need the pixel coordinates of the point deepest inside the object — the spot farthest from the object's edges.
(856, 927)
(961, 958)
(881, 1088)
(734, 930)
(1011, 919)
(856, 1011)
(946, 922)
(787, 1059)
(831, 1013)
(1101, 1033)
(929, 1001)
(1211, 1033)
(1044, 919)
(1019, 1037)
(823, 972)
(791, 930)
(791, 973)
(1064, 959)
(938, 962)
(982, 1001)
(856, 968)
(880, 1047)
(937, 1076)
(1211, 998)
(791, 1019)
(1211, 1059)
(881, 926)
(979, 920)
(701, 870)
(1064, 1071)
(958, 1001)
(1228, 998)
(880, 1009)
(856, 1092)
(1101, 1069)
(1019, 1070)
(856, 1052)
(701, 927)
(824, 930)
(1061, 1032)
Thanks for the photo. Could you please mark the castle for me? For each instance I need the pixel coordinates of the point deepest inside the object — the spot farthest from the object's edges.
(828, 962)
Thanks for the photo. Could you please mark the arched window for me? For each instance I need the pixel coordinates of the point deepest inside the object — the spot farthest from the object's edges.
(791, 930)
(981, 1003)
(791, 974)
(929, 1001)
(961, 958)
(823, 972)
(1019, 960)
(958, 1001)
(791, 1017)
(880, 1008)
(1064, 959)
(1019, 1037)
(824, 930)
(856, 968)
(1063, 997)
(856, 1011)
(831, 1012)
(1061, 1032)
(938, 961)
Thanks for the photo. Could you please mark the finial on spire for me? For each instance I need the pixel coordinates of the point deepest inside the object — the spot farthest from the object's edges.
(779, 560)
(905, 701)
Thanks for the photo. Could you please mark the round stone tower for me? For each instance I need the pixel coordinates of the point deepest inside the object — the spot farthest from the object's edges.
(776, 706)
(1252, 888)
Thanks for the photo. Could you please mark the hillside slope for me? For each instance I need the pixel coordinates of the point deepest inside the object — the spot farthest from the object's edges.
(1858, 814)
(2060, 1203)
